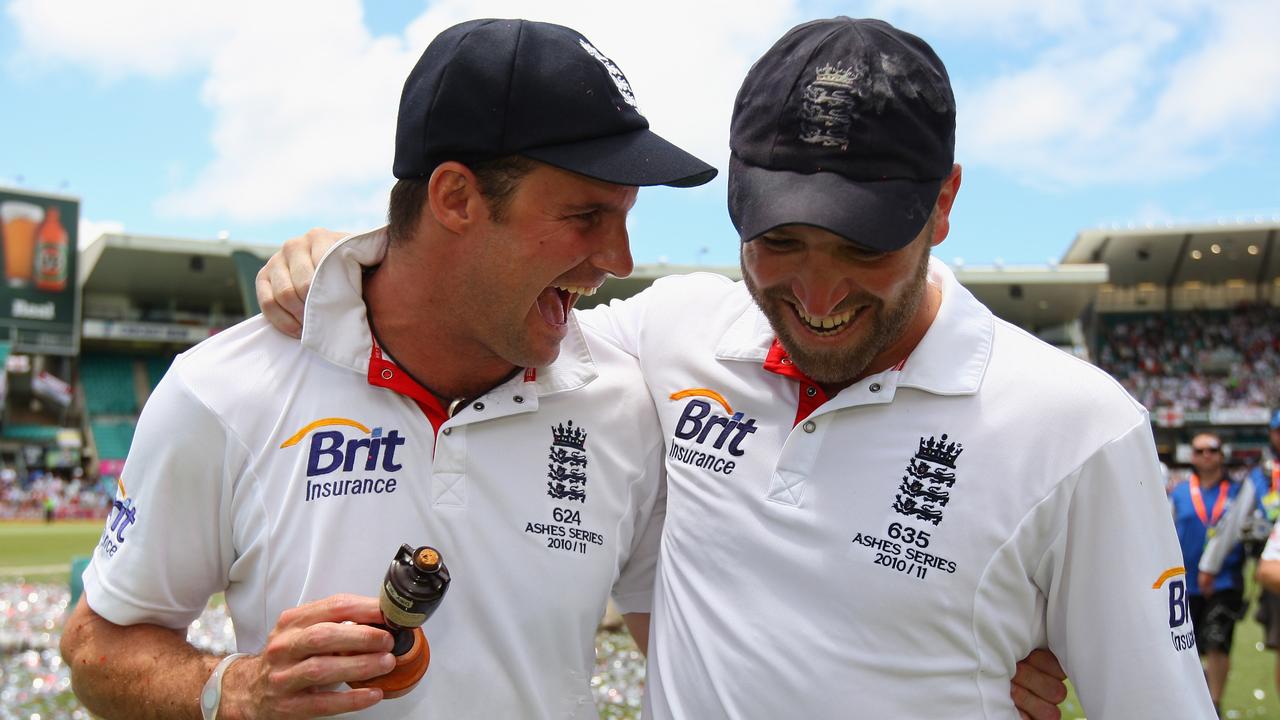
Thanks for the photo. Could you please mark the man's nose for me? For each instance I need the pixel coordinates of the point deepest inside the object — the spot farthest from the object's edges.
(819, 286)
(613, 254)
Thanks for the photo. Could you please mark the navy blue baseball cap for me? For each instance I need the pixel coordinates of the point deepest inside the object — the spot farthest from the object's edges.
(490, 88)
(846, 125)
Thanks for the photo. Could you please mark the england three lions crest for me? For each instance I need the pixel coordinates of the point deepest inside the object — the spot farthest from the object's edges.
(926, 488)
(567, 470)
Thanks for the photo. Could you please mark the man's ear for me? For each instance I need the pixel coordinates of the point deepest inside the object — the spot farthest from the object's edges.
(454, 198)
(942, 209)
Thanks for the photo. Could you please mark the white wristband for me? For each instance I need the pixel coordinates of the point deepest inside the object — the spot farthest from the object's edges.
(211, 695)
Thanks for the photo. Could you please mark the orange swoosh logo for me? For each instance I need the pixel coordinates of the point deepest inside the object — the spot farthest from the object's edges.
(703, 392)
(1170, 573)
(325, 422)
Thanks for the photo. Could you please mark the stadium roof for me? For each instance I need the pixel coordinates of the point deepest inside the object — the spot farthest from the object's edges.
(1210, 254)
(161, 269)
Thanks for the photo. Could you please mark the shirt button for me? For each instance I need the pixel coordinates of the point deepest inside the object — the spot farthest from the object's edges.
(519, 399)
(387, 374)
(446, 431)
(875, 387)
(809, 426)
(478, 406)
(811, 391)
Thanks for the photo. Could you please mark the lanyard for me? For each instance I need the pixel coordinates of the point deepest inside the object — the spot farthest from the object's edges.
(1198, 502)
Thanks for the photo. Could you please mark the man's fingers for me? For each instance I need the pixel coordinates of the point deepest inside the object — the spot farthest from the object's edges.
(332, 609)
(338, 638)
(275, 314)
(323, 671)
(319, 241)
(1047, 663)
(325, 704)
(1033, 707)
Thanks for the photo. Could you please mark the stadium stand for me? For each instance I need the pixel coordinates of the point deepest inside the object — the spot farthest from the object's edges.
(108, 384)
(1195, 360)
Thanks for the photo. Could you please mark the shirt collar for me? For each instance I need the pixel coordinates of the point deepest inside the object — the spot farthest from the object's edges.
(951, 359)
(336, 325)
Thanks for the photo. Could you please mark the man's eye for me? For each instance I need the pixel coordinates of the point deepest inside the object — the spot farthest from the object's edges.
(776, 243)
(589, 218)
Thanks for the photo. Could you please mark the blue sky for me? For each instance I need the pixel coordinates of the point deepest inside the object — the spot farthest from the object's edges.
(263, 119)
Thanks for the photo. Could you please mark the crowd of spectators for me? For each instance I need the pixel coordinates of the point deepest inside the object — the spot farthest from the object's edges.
(1196, 360)
(50, 496)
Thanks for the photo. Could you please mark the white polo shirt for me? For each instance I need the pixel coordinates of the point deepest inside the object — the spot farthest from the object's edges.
(283, 472)
(892, 552)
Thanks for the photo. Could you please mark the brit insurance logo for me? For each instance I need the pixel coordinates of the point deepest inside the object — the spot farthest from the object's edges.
(122, 514)
(709, 433)
(1173, 583)
(567, 471)
(346, 457)
(925, 489)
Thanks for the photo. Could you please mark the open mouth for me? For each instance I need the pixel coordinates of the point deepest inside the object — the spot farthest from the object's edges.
(555, 302)
(827, 325)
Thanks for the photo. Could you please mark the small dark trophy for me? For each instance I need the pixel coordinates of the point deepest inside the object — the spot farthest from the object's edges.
(412, 590)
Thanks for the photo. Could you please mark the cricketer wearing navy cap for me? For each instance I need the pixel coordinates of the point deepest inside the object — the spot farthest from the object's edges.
(492, 88)
(519, 152)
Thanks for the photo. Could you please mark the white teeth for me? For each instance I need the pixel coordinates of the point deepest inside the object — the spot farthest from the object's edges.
(577, 290)
(830, 322)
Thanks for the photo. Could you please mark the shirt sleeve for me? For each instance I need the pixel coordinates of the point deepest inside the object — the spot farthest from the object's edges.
(167, 544)
(1117, 607)
(620, 321)
(633, 590)
(1227, 534)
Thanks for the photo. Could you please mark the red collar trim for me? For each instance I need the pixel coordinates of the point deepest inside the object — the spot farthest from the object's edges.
(810, 395)
(383, 372)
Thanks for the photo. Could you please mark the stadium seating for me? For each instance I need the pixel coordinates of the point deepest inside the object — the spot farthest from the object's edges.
(112, 438)
(108, 384)
(1195, 360)
(156, 368)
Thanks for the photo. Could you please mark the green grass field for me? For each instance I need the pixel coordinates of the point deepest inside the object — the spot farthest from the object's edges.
(30, 550)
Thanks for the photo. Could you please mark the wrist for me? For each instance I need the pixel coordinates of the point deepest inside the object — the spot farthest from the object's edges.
(214, 704)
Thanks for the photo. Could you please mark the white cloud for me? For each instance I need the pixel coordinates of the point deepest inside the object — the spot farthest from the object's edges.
(1108, 91)
(125, 36)
(90, 230)
(304, 100)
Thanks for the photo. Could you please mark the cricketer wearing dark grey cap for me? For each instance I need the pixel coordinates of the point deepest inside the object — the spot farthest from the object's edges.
(847, 125)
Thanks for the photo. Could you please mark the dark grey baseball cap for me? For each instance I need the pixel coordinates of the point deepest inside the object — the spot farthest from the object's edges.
(844, 124)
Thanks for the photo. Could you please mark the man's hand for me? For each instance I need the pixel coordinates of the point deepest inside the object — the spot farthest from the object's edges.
(311, 649)
(1038, 686)
(1206, 581)
(283, 283)
(1269, 574)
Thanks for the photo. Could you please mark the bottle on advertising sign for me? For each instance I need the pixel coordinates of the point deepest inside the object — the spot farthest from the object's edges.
(51, 253)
